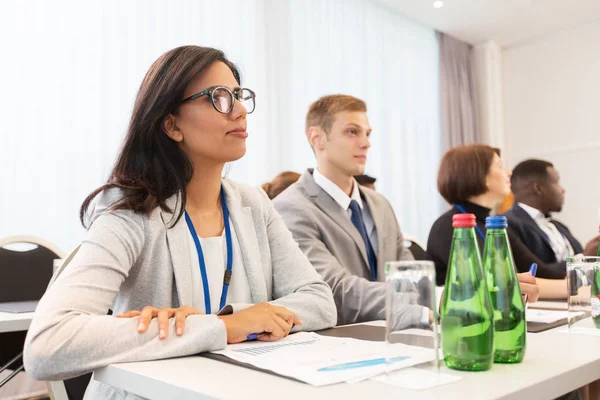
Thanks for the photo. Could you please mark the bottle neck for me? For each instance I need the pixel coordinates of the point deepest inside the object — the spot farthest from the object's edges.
(465, 236)
(496, 232)
(464, 233)
(495, 238)
(464, 239)
(464, 247)
(497, 250)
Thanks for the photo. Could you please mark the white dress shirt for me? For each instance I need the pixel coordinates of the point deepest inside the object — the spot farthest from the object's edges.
(560, 244)
(215, 258)
(344, 201)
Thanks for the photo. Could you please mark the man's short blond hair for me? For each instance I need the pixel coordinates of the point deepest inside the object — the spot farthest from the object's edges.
(322, 112)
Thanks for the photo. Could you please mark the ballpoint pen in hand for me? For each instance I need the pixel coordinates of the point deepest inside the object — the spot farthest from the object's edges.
(254, 336)
(532, 271)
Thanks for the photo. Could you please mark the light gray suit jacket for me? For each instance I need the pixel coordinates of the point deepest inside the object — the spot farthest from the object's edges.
(337, 251)
(128, 261)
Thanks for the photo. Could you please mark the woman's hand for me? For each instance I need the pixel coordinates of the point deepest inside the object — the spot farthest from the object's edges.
(163, 315)
(529, 287)
(269, 321)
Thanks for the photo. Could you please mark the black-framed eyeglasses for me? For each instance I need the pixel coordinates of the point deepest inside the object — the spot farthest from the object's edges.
(222, 99)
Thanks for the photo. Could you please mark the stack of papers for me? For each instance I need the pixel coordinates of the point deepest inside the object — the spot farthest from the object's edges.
(549, 305)
(323, 360)
(548, 316)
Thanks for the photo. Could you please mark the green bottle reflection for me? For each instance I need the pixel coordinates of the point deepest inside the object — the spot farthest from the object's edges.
(466, 312)
(510, 327)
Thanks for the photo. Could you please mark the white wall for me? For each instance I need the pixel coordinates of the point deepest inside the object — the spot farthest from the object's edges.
(552, 111)
(487, 67)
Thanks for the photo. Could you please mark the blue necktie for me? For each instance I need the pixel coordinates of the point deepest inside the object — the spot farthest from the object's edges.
(359, 223)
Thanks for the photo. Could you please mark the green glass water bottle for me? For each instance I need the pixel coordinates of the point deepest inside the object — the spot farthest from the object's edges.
(510, 327)
(466, 312)
(595, 292)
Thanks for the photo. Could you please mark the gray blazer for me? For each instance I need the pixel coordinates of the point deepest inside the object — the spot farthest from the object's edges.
(128, 261)
(337, 251)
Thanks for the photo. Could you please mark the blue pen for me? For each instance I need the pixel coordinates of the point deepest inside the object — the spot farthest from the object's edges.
(532, 271)
(254, 336)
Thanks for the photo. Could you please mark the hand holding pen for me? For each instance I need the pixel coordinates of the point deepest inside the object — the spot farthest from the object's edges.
(528, 285)
(273, 323)
(254, 336)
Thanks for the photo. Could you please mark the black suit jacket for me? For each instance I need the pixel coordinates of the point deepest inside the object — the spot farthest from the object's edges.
(528, 231)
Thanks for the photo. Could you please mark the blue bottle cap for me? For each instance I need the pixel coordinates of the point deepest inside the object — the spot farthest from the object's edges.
(496, 222)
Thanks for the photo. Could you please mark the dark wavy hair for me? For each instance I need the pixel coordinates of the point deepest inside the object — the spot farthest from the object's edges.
(151, 167)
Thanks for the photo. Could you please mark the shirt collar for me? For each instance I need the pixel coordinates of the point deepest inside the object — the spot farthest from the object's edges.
(533, 212)
(335, 192)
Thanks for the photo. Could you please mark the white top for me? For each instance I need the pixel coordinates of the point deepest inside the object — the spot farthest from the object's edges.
(215, 257)
(344, 201)
(559, 243)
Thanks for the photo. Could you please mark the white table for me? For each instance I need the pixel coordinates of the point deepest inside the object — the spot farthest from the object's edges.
(555, 363)
(12, 322)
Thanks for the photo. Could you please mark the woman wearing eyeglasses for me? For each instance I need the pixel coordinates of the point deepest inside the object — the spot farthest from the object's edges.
(187, 260)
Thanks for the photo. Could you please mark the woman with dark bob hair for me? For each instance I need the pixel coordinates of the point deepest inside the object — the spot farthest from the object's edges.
(473, 180)
(187, 260)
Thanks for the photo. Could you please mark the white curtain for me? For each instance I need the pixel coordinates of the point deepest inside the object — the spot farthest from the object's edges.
(459, 113)
(71, 70)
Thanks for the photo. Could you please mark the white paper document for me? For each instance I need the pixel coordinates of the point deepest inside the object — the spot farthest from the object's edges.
(548, 316)
(323, 360)
(416, 378)
(549, 305)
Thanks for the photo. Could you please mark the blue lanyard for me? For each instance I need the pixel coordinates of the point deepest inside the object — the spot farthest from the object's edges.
(462, 210)
(227, 276)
